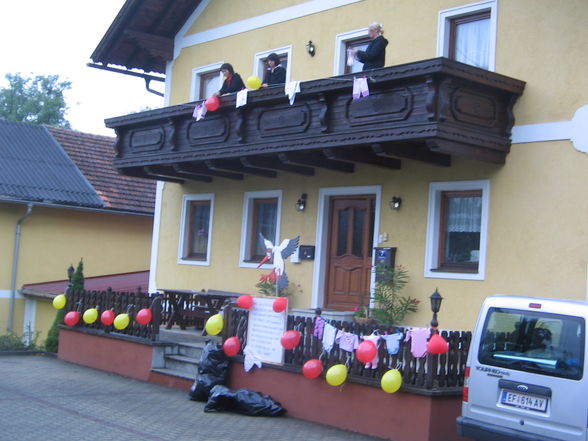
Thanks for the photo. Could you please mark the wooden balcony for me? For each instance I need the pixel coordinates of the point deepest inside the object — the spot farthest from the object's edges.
(426, 111)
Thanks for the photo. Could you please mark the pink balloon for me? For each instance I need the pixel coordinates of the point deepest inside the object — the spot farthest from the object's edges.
(107, 317)
(232, 346)
(245, 301)
(144, 316)
(437, 345)
(290, 339)
(72, 318)
(366, 351)
(312, 368)
(280, 304)
(212, 103)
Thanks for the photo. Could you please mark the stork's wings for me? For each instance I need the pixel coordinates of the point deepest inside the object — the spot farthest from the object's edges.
(267, 243)
(288, 246)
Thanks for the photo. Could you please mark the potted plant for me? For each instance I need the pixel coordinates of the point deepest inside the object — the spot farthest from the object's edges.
(390, 306)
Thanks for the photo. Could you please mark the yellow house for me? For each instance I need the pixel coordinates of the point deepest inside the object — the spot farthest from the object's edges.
(61, 201)
(468, 157)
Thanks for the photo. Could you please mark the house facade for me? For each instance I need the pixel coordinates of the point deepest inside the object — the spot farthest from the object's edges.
(61, 201)
(469, 157)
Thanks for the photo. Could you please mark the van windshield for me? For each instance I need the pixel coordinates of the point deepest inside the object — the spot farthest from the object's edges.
(538, 342)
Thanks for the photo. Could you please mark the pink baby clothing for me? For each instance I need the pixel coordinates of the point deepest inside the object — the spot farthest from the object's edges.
(319, 326)
(347, 341)
(374, 338)
(419, 337)
(393, 342)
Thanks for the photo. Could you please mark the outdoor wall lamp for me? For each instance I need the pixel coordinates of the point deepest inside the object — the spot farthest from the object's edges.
(395, 203)
(436, 299)
(301, 203)
(310, 48)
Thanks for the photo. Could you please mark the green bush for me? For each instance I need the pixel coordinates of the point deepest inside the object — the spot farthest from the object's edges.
(13, 342)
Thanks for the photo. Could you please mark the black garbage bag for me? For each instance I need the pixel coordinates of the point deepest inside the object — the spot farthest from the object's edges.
(243, 401)
(212, 370)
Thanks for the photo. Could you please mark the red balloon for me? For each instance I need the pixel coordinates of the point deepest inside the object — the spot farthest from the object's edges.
(72, 318)
(366, 351)
(212, 103)
(312, 368)
(290, 339)
(232, 346)
(245, 301)
(280, 304)
(144, 316)
(107, 317)
(437, 345)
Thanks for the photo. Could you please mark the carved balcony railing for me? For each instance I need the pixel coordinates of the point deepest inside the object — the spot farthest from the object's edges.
(427, 111)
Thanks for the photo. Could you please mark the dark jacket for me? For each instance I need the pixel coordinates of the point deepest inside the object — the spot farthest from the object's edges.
(278, 76)
(374, 55)
(234, 85)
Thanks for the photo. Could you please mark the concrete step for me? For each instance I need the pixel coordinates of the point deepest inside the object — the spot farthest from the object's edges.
(174, 373)
(181, 363)
(192, 350)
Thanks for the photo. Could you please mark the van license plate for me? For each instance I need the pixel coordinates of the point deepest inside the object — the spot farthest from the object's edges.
(523, 401)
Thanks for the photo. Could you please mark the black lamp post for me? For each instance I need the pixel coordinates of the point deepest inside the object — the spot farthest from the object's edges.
(436, 299)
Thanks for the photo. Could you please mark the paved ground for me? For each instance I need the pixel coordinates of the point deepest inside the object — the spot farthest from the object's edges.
(45, 399)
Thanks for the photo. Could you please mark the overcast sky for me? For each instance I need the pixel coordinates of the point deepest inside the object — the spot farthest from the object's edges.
(40, 37)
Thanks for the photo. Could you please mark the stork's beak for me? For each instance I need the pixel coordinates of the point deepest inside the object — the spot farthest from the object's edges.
(265, 259)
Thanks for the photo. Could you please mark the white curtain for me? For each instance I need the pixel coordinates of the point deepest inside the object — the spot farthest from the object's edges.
(464, 215)
(472, 43)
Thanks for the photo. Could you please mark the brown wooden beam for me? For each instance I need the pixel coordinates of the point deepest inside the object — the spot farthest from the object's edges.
(201, 168)
(362, 155)
(467, 151)
(156, 45)
(189, 175)
(237, 166)
(157, 172)
(316, 159)
(274, 163)
(412, 151)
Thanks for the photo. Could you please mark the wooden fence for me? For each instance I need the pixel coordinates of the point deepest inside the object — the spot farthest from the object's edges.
(119, 302)
(435, 374)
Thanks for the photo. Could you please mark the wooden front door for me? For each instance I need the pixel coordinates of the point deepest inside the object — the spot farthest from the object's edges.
(351, 232)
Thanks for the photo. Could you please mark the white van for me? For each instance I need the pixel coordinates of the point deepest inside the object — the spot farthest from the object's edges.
(525, 376)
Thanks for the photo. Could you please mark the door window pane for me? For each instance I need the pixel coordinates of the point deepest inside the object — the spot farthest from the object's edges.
(360, 44)
(461, 220)
(358, 233)
(342, 232)
(199, 228)
(470, 39)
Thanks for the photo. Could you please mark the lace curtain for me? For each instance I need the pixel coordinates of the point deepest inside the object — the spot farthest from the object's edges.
(464, 215)
(472, 43)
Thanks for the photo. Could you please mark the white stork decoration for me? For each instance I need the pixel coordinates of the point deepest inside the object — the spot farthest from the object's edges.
(279, 253)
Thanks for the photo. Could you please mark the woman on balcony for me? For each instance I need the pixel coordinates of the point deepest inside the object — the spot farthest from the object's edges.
(374, 55)
(233, 81)
(275, 73)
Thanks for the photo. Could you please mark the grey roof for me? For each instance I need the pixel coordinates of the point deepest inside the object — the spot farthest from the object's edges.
(34, 168)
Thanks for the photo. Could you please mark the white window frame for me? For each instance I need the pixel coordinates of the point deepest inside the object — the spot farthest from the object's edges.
(432, 244)
(259, 58)
(186, 200)
(196, 73)
(444, 25)
(341, 40)
(248, 198)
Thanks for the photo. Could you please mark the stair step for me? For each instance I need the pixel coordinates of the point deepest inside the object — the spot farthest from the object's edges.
(174, 373)
(192, 350)
(181, 363)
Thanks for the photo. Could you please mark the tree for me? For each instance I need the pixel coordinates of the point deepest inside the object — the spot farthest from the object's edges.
(77, 284)
(37, 100)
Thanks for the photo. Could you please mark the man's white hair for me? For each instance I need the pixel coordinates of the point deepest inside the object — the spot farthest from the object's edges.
(378, 27)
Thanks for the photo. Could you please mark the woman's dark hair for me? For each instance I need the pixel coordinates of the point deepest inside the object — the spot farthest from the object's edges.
(227, 66)
(274, 57)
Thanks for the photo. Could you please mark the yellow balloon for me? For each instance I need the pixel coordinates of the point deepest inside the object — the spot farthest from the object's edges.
(336, 375)
(391, 381)
(121, 321)
(59, 301)
(214, 324)
(90, 315)
(253, 82)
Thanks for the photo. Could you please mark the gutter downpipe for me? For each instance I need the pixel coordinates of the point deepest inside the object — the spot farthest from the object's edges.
(10, 326)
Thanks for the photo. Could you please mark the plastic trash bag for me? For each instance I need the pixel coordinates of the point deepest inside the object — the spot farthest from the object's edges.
(243, 401)
(212, 370)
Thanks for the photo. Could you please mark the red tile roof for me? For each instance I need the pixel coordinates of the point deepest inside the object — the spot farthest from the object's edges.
(118, 282)
(93, 155)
